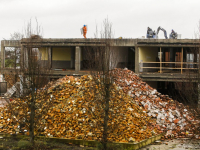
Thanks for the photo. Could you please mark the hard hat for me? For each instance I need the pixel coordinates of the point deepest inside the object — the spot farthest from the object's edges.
(84, 25)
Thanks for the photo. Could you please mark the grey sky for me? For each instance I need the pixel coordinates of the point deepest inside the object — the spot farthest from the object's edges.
(130, 18)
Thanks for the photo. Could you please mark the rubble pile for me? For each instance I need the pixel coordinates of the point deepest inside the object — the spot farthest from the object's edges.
(73, 108)
(171, 116)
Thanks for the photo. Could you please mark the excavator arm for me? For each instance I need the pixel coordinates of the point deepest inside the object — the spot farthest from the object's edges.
(165, 33)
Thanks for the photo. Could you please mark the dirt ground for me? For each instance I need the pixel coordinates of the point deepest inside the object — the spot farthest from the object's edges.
(176, 144)
(24, 144)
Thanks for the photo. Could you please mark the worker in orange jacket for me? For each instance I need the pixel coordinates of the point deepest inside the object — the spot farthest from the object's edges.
(84, 31)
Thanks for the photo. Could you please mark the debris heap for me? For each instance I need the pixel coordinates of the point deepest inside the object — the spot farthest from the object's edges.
(73, 108)
(171, 116)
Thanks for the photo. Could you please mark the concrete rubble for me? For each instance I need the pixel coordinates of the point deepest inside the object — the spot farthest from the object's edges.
(171, 116)
(73, 108)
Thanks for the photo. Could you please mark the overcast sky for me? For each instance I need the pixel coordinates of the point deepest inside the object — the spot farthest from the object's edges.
(129, 18)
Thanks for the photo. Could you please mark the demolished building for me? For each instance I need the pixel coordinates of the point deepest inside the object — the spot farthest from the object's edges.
(159, 62)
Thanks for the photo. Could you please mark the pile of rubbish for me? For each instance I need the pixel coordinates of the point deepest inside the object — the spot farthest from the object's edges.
(171, 116)
(74, 108)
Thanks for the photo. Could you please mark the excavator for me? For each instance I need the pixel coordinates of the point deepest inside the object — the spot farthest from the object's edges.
(173, 35)
(154, 35)
(150, 33)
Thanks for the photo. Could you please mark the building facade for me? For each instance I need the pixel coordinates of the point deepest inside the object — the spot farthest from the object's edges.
(159, 62)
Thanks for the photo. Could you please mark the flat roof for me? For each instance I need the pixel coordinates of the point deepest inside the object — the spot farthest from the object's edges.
(102, 42)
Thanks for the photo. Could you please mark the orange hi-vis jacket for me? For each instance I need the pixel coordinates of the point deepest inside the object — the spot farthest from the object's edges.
(84, 29)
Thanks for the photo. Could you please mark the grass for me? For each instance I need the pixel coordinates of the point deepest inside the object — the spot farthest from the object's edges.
(24, 144)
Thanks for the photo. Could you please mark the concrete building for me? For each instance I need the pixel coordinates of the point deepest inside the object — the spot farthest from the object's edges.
(159, 62)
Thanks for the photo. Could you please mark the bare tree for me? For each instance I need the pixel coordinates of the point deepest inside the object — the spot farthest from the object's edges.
(101, 61)
(32, 73)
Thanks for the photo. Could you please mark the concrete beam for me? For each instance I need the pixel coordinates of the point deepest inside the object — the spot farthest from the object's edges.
(115, 42)
(11, 43)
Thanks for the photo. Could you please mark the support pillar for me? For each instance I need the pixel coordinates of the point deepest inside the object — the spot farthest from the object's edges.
(49, 57)
(22, 57)
(2, 55)
(136, 59)
(77, 59)
(26, 57)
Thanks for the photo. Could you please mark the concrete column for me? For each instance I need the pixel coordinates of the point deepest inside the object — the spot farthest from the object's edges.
(77, 59)
(136, 59)
(2, 55)
(49, 57)
(22, 57)
(25, 57)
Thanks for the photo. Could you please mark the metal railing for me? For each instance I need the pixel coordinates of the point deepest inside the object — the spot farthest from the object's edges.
(172, 66)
